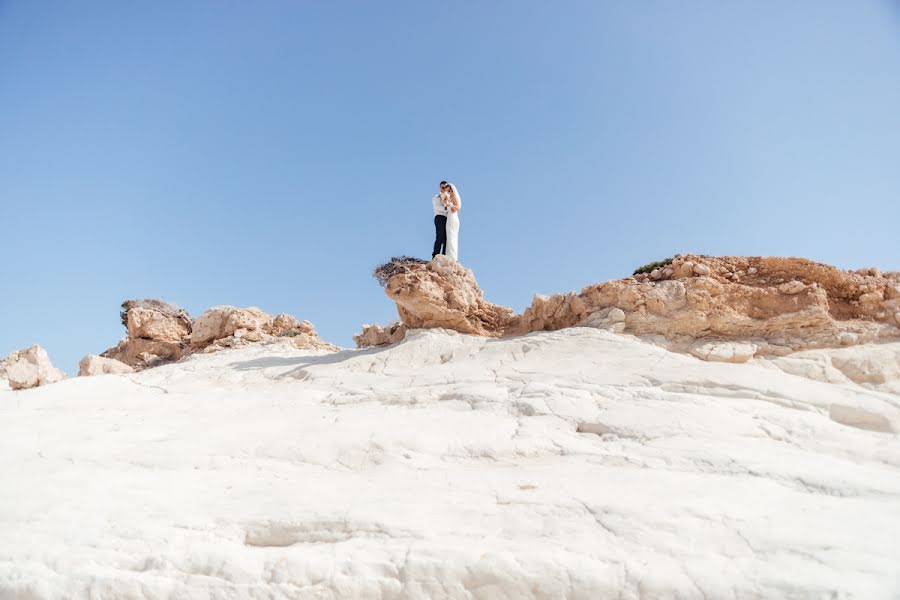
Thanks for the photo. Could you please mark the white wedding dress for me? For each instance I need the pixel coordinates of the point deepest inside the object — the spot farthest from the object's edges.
(453, 229)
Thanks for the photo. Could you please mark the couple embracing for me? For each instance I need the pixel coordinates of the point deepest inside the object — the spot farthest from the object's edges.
(446, 221)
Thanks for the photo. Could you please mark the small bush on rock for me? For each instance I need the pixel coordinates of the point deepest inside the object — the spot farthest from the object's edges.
(395, 266)
(654, 265)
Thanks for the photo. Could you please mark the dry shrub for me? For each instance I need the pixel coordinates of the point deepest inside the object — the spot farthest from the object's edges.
(156, 304)
(395, 266)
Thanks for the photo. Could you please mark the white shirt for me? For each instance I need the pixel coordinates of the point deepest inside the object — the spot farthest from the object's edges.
(439, 206)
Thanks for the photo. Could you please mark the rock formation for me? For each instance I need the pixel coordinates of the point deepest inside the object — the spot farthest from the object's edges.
(704, 304)
(92, 365)
(376, 335)
(30, 368)
(228, 326)
(443, 293)
(716, 308)
(159, 332)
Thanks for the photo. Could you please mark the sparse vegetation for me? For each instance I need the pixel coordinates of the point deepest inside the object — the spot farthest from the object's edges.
(654, 265)
(154, 304)
(395, 266)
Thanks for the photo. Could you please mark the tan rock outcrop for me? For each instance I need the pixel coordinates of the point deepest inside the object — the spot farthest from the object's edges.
(779, 304)
(220, 322)
(443, 293)
(92, 365)
(155, 319)
(718, 308)
(376, 335)
(159, 332)
(229, 326)
(31, 368)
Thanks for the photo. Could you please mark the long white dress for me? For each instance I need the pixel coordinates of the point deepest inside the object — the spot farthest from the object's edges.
(453, 229)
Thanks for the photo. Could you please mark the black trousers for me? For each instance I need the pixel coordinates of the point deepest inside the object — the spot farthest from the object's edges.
(440, 235)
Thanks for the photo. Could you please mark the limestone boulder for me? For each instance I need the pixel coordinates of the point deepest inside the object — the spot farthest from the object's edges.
(791, 287)
(31, 368)
(443, 293)
(220, 322)
(92, 365)
(157, 332)
(230, 327)
(701, 270)
(155, 319)
(377, 335)
(285, 324)
(723, 351)
(142, 353)
(610, 319)
(152, 324)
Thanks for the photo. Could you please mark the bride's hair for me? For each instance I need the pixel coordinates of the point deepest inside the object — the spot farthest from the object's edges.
(454, 195)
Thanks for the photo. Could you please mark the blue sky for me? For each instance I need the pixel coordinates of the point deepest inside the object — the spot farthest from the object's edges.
(271, 153)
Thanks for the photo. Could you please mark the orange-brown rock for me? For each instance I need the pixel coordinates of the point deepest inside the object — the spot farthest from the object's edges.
(443, 293)
(159, 332)
(229, 326)
(376, 335)
(699, 304)
(785, 303)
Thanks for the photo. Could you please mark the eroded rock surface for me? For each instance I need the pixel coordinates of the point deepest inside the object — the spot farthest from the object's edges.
(30, 368)
(575, 464)
(376, 335)
(159, 332)
(229, 326)
(92, 365)
(443, 293)
(717, 308)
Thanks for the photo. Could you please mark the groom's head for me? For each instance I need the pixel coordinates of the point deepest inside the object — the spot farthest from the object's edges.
(444, 186)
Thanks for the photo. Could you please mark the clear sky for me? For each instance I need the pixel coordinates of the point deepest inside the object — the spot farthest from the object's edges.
(271, 153)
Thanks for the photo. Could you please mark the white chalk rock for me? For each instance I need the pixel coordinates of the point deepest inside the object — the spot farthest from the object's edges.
(92, 365)
(792, 287)
(31, 368)
(723, 351)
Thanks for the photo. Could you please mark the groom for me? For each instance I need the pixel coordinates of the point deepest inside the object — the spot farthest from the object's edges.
(440, 222)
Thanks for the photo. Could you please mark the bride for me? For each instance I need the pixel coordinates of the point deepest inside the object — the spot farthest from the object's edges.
(453, 203)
